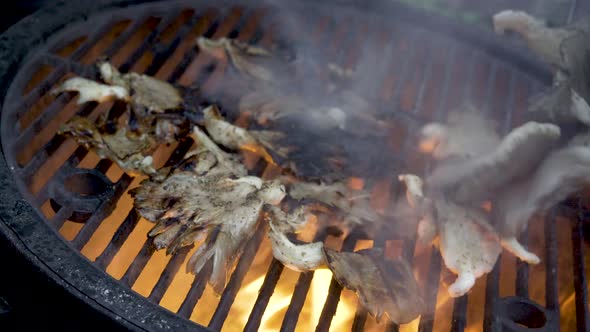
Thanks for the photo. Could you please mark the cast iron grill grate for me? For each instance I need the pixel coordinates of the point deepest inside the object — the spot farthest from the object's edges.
(430, 72)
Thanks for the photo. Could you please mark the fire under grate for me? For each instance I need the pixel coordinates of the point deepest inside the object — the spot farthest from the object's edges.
(431, 71)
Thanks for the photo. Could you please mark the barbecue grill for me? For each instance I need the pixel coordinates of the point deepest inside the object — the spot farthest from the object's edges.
(68, 212)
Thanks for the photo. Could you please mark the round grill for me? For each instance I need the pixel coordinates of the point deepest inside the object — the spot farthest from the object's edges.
(70, 211)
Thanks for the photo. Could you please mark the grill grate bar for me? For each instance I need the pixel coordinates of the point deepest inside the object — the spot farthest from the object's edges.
(492, 291)
(61, 216)
(129, 31)
(196, 291)
(168, 274)
(468, 87)
(299, 293)
(42, 121)
(266, 290)
(34, 95)
(404, 71)
(580, 282)
(460, 313)
(432, 281)
(138, 264)
(103, 211)
(161, 56)
(296, 305)
(551, 256)
(360, 318)
(149, 41)
(331, 304)
(231, 290)
(120, 236)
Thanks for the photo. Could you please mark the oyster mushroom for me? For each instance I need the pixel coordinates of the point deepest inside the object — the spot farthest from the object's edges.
(354, 207)
(567, 101)
(153, 94)
(476, 179)
(468, 244)
(228, 162)
(562, 173)
(296, 256)
(561, 104)
(245, 58)
(233, 137)
(541, 39)
(383, 286)
(131, 151)
(89, 90)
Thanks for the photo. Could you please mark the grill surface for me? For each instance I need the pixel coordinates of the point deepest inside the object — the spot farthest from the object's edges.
(435, 66)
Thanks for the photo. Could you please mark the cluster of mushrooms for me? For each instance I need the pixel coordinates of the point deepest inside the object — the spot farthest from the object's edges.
(210, 200)
(531, 169)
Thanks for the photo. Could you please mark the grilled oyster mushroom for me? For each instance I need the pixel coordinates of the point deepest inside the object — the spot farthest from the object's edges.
(241, 55)
(153, 94)
(89, 90)
(227, 162)
(562, 173)
(468, 244)
(198, 196)
(296, 256)
(567, 101)
(476, 179)
(542, 40)
(561, 104)
(131, 151)
(236, 138)
(383, 286)
(354, 207)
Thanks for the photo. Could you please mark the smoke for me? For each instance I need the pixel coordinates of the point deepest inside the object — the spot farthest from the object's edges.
(326, 108)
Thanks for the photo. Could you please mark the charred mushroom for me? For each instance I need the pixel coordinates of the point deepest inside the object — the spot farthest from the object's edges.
(244, 57)
(131, 151)
(383, 286)
(236, 138)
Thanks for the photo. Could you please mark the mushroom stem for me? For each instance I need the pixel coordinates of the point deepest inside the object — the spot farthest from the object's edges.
(513, 246)
(462, 284)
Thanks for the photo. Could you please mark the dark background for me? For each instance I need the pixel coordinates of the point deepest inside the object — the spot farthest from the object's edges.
(13, 10)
